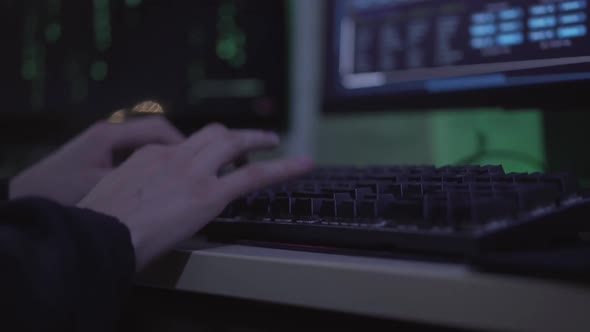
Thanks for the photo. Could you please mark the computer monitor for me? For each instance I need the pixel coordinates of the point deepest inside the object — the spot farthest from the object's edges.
(67, 63)
(406, 54)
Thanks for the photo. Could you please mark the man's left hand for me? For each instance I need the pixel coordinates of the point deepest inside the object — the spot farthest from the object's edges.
(71, 173)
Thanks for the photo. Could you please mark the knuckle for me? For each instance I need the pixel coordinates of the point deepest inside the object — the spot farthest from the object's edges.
(99, 133)
(99, 129)
(152, 150)
(226, 147)
(236, 138)
(239, 142)
(216, 128)
(166, 128)
(256, 171)
(210, 131)
(156, 121)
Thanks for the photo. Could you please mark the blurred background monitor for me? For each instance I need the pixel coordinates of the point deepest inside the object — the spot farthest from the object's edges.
(388, 54)
(66, 63)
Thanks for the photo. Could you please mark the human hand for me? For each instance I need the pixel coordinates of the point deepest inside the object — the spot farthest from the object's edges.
(70, 173)
(166, 194)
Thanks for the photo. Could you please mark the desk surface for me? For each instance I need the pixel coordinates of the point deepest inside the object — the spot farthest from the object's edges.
(433, 293)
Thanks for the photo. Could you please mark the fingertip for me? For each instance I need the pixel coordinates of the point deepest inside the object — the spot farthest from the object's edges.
(274, 138)
(306, 160)
(304, 163)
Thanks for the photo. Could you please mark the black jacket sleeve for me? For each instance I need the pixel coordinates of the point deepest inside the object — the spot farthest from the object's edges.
(4, 188)
(61, 269)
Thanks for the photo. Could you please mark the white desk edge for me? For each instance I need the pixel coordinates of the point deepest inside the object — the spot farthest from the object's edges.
(442, 294)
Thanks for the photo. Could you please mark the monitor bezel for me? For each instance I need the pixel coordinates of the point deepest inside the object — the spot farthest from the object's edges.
(547, 96)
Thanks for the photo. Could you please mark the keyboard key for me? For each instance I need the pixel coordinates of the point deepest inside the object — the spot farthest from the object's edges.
(368, 185)
(407, 211)
(303, 207)
(317, 206)
(346, 209)
(361, 193)
(328, 208)
(411, 191)
(311, 195)
(429, 188)
(497, 179)
(341, 196)
(280, 207)
(260, 207)
(435, 212)
(566, 183)
(366, 209)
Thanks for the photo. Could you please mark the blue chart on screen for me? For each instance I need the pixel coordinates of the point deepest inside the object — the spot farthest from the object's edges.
(399, 46)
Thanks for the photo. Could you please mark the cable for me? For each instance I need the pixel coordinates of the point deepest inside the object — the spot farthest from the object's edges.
(483, 152)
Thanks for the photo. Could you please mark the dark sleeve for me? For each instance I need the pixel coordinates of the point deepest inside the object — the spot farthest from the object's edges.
(61, 269)
(4, 188)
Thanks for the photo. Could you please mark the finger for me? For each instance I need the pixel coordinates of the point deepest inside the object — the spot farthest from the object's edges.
(264, 174)
(140, 132)
(233, 146)
(204, 137)
(241, 161)
(238, 163)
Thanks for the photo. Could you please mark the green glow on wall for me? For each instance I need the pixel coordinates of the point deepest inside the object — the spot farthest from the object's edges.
(133, 3)
(231, 44)
(513, 139)
(99, 70)
(53, 8)
(102, 24)
(29, 68)
(53, 32)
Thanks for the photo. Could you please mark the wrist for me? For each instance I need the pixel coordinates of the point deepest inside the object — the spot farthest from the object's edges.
(113, 227)
(139, 249)
(146, 247)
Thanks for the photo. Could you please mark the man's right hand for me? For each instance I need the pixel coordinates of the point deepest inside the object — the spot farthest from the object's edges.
(165, 194)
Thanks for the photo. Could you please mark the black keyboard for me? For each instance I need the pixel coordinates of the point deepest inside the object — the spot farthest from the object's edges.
(448, 210)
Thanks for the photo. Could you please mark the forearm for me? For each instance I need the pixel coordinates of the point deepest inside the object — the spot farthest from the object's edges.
(66, 267)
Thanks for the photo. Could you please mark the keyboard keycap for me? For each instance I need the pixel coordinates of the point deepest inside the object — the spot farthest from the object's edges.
(366, 209)
(345, 209)
(328, 209)
(280, 207)
(303, 207)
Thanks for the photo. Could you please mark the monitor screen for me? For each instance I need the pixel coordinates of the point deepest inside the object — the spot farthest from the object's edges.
(219, 60)
(439, 53)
